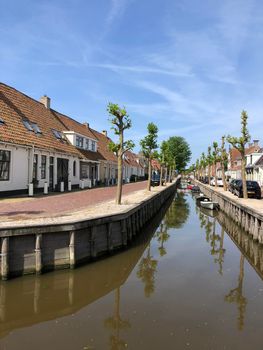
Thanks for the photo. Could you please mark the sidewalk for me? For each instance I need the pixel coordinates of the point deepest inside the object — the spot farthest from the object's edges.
(255, 204)
(75, 205)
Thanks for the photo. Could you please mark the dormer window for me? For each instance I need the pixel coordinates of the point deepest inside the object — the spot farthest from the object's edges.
(87, 144)
(79, 141)
(93, 146)
(27, 124)
(36, 128)
(57, 134)
(2, 122)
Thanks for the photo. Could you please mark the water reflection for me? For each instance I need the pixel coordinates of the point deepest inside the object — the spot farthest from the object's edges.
(162, 237)
(115, 324)
(236, 295)
(249, 249)
(54, 295)
(146, 272)
(178, 212)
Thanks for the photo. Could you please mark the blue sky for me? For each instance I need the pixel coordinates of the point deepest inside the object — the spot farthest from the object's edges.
(189, 66)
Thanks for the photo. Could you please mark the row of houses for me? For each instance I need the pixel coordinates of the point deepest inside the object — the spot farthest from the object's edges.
(254, 163)
(43, 148)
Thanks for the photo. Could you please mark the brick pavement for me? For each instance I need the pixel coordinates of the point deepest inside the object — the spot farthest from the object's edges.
(66, 202)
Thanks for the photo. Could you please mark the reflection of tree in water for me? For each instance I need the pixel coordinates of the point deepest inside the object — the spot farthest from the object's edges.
(116, 324)
(162, 236)
(236, 296)
(146, 272)
(220, 258)
(216, 241)
(178, 212)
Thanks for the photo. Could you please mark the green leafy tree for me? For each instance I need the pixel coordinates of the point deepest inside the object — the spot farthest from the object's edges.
(239, 143)
(203, 163)
(149, 146)
(120, 121)
(180, 152)
(197, 167)
(215, 159)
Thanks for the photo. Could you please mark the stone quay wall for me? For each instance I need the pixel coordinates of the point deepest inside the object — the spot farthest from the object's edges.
(249, 219)
(37, 249)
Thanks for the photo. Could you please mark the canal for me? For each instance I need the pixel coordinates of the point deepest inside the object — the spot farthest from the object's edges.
(192, 280)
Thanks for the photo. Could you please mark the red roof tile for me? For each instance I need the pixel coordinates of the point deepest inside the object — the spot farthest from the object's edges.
(16, 106)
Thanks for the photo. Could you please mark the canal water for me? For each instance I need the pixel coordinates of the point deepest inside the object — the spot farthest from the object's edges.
(191, 281)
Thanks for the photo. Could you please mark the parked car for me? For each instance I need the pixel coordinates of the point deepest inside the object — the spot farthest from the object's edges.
(231, 185)
(219, 182)
(253, 189)
(155, 180)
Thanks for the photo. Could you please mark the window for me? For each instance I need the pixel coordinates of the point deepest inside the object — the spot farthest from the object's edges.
(87, 143)
(74, 168)
(43, 166)
(93, 146)
(35, 161)
(27, 124)
(79, 141)
(36, 128)
(2, 122)
(5, 165)
(57, 134)
(84, 170)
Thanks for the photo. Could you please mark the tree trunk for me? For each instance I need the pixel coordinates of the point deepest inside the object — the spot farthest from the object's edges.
(209, 174)
(119, 184)
(170, 173)
(149, 175)
(223, 175)
(215, 176)
(161, 176)
(243, 174)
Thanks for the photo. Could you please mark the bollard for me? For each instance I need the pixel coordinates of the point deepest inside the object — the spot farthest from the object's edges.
(69, 186)
(30, 190)
(62, 186)
(45, 188)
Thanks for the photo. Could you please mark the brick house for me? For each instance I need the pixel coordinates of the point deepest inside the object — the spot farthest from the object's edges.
(32, 147)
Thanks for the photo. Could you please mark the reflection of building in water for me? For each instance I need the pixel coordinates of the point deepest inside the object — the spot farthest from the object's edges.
(252, 250)
(116, 324)
(236, 295)
(50, 296)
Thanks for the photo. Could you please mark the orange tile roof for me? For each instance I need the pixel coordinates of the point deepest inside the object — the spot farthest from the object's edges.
(103, 142)
(73, 125)
(16, 106)
(131, 159)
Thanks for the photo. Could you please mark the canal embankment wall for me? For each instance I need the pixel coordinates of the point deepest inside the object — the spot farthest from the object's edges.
(248, 218)
(45, 247)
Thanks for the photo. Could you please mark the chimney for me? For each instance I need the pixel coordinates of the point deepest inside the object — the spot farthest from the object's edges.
(86, 124)
(105, 133)
(256, 142)
(46, 101)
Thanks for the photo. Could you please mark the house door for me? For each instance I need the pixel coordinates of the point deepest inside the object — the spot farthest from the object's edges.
(62, 172)
(51, 173)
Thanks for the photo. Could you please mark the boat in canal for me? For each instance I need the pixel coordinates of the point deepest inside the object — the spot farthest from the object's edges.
(208, 204)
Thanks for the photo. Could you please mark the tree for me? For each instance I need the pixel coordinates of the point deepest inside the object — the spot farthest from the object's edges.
(209, 163)
(223, 161)
(197, 165)
(149, 145)
(180, 151)
(240, 144)
(120, 121)
(203, 162)
(215, 158)
(162, 157)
